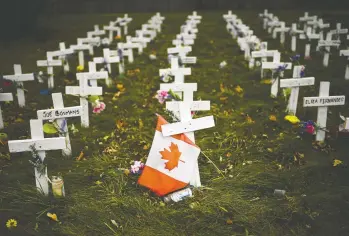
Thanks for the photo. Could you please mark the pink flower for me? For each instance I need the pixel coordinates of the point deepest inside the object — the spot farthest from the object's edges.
(161, 96)
(310, 129)
(98, 107)
(136, 167)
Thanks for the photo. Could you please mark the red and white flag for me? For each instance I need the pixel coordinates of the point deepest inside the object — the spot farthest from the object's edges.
(170, 164)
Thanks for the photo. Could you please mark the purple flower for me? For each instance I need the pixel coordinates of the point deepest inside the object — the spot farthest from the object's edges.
(281, 68)
(302, 73)
(295, 58)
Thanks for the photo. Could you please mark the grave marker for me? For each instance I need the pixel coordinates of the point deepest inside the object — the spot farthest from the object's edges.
(327, 44)
(294, 84)
(92, 76)
(49, 63)
(293, 32)
(346, 54)
(60, 113)
(108, 60)
(80, 48)
(263, 53)
(309, 36)
(62, 54)
(111, 28)
(282, 29)
(19, 78)
(4, 97)
(92, 41)
(323, 102)
(41, 145)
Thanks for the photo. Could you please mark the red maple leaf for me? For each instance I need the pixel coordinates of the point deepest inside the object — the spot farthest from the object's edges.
(172, 156)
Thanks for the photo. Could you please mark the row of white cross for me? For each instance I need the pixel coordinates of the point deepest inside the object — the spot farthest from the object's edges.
(60, 114)
(235, 26)
(182, 110)
(313, 29)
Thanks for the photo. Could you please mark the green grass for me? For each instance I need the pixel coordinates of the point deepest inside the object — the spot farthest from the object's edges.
(317, 193)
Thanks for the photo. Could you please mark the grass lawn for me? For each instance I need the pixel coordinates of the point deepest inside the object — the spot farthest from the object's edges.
(256, 155)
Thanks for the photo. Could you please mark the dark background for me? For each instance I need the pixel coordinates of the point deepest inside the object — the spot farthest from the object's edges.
(18, 17)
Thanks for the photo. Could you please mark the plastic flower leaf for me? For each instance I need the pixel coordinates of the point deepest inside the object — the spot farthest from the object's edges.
(50, 128)
(52, 216)
(337, 162)
(93, 98)
(292, 119)
(11, 223)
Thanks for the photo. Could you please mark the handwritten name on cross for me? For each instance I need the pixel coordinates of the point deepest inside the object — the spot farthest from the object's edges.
(323, 101)
(294, 84)
(59, 114)
(40, 145)
(19, 78)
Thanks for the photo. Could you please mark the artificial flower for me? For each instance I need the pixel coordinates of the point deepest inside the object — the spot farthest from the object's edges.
(249, 120)
(137, 167)
(152, 57)
(52, 216)
(11, 223)
(238, 89)
(98, 107)
(292, 119)
(80, 68)
(222, 64)
(117, 37)
(162, 96)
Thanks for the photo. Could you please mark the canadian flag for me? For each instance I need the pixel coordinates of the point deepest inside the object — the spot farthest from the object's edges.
(170, 164)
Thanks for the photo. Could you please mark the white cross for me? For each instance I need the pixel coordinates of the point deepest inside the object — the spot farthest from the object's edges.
(322, 102)
(92, 41)
(339, 29)
(127, 49)
(181, 53)
(229, 16)
(41, 145)
(195, 17)
(80, 48)
(176, 71)
(95, 32)
(310, 36)
(124, 22)
(19, 78)
(263, 53)
(60, 113)
(294, 31)
(320, 24)
(307, 18)
(142, 40)
(108, 60)
(4, 97)
(111, 28)
(93, 75)
(328, 43)
(274, 65)
(83, 90)
(272, 24)
(264, 15)
(62, 55)
(346, 54)
(135, 45)
(282, 30)
(187, 125)
(268, 18)
(294, 84)
(155, 24)
(49, 63)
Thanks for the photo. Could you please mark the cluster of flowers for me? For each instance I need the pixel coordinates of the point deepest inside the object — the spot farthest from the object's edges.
(98, 106)
(137, 167)
(307, 126)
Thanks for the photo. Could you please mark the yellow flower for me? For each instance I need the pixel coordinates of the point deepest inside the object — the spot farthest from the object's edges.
(98, 182)
(249, 120)
(120, 87)
(80, 68)
(337, 162)
(272, 117)
(52, 216)
(117, 37)
(11, 223)
(238, 89)
(292, 119)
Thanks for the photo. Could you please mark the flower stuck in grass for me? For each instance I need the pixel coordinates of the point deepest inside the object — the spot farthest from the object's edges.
(137, 167)
(272, 117)
(52, 216)
(238, 89)
(162, 96)
(292, 119)
(11, 223)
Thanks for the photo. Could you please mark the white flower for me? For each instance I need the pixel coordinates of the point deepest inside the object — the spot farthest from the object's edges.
(152, 57)
(258, 63)
(222, 64)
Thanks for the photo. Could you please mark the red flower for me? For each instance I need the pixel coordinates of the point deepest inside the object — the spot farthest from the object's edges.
(7, 83)
(310, 129)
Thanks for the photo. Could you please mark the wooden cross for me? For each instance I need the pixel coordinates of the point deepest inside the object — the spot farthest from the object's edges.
(309, 36)
(4, 97)
(182, 54)
(92, 76)
(40, 145)
(282, 30)
(124, 22)
(80, 48)
(135, 45)
(111, 28)
(263, 53)
(95, 32)
(179, 42)
(305, 19)
(339, 30)
(273, 66)
(62, 55)
(142, 40)
(108, 60)
(83, 90)
(229, 16)
(19, 78)
(346, 54)
(294, 31)
(186, 36)
(127, 48)
(92, 41)
(272, 24)
(323, 101)
(187, 125)
(176, 71)
(294, 84)
(320, 24)
(60, 113)
(49, 63)
(264, 15)
(328, 43)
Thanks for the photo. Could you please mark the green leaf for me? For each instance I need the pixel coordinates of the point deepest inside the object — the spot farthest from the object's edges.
(50, 128)
(3, 136)
(93, 98)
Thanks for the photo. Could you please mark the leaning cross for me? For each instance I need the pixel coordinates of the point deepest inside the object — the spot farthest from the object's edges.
(83, 90)
(38, 144)
(59, 113)
(4, 97)
(19, 78)
(294, 84)
(323, 102)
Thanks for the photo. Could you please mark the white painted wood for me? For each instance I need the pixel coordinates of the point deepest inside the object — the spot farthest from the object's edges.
(91, 41)
(80, 48)
(41, 144)
(294, 84)
(176, 71)
(294, 32)
(19, 78)
(282, 29)
(195, 105)
(111, 28)
(49, 63)
(322, 102)
(263, 53)
(108, 60)
(93, 75)
(328, 43)
(4, 97)
(346, 54)
(179, 50)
